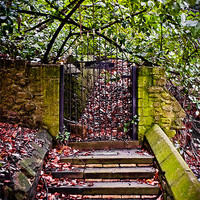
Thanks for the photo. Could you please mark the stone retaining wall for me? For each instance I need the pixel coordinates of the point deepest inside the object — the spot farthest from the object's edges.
(155, 103)
(29, 94)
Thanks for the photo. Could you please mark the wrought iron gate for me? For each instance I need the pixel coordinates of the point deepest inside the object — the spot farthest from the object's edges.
(99, 96)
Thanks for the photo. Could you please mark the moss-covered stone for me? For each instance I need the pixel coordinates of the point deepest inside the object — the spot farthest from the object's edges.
(144, 81)
(155, 89)
(186, 187)
(181, 180)
(170, 133)
(144, 71)
(21, 182)
(156, 102)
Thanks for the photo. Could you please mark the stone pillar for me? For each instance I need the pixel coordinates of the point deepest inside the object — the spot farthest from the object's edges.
(155, 104)
(29, 94)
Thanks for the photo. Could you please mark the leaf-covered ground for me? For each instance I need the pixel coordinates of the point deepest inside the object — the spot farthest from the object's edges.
(187, 141)
(15, 144)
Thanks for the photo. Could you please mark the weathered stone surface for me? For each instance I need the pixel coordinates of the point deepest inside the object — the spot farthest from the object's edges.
(164, 108)
(156, 104)
(32, 93)
(167, 107)
(168, 114)
(155, 89)
(143, 81)
(159, 81)
(31, 168)
(158, 70)
(166, 95)
(21, 182)
(23, 95)
(181, 180)
(30, 106)
(170, 133)
(165, 120)
(28, 165)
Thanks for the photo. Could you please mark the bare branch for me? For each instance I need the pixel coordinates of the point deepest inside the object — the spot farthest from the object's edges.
(39, 14)
(113, 42)
(59, 29)
(68, 6)
(70, 44)
(61, 48)
(38, 25)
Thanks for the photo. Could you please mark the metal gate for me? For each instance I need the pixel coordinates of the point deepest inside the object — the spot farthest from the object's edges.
(99, 94)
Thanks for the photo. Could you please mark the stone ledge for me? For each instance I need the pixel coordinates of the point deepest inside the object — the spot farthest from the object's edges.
(181, 180)
(26, 180)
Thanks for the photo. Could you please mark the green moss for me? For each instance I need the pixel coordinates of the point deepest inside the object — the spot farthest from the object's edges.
(144, 81)
(144, 71)
(183, 183)
(51, 102)
(186, 188)
(142, 93)
(51, 71)
(158, 70)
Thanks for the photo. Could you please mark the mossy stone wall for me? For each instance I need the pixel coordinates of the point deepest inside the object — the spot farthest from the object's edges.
(181, 181)
(29, 94)
(155, 104)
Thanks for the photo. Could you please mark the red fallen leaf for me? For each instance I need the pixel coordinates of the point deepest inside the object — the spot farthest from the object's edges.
(73, 183)
(7, 181)
(90, 184)
(149, 180)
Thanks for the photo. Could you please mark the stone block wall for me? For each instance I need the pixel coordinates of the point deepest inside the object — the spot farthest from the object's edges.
(155, 104)
(29, 94)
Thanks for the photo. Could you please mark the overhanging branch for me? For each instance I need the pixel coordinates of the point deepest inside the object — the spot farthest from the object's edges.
(38, 25)
(49, 46)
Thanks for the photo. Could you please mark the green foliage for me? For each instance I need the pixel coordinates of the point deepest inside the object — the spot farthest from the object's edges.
(134, 121)
(63, 137)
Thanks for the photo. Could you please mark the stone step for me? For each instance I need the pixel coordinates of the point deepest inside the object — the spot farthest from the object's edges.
(104, 145)
(107, 173)
(108, 188)
(121, 198)
(125, 156)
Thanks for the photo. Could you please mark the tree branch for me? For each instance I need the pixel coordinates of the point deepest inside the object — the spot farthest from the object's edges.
(59, 29)
(39, 14)
(38, 25)
(70, 45)
(68, 6)
(119, 20)
(63, 44)
(114, 43)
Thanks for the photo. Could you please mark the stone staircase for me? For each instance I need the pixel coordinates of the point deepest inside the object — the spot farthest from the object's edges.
(109, 174)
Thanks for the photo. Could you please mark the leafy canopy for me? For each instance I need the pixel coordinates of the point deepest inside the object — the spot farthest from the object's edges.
(150, 32)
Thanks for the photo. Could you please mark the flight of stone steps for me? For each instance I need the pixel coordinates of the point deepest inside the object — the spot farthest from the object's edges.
(109, 174)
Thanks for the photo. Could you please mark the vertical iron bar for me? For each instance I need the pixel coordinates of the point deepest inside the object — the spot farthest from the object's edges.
(134, 136)
(76, 91)
(117, 89)
(123, 118)
(70, 94)
(106, 97)
(82, 96)
(94, 88)
(111, 90)
(61, 105)
(99, 77)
